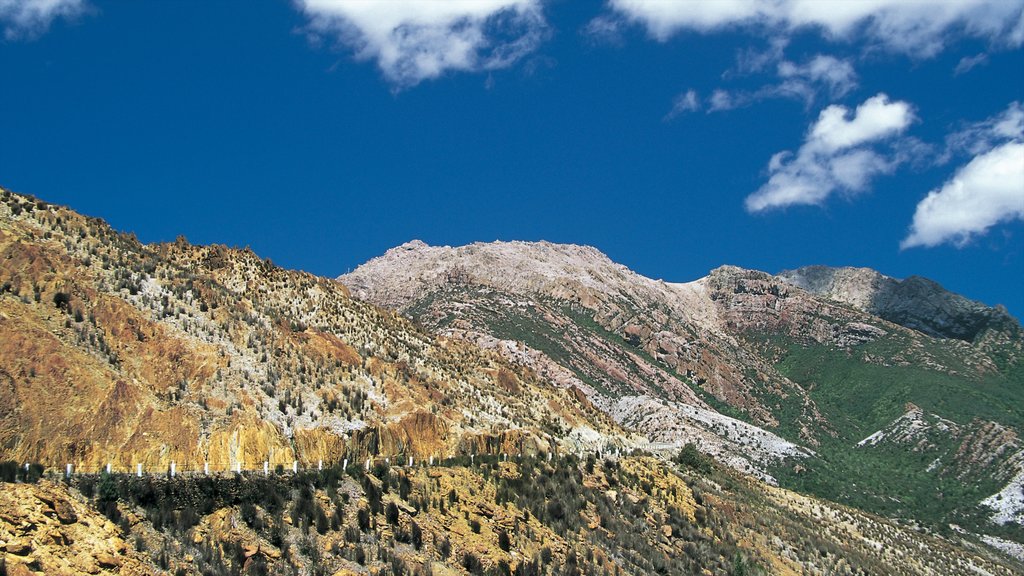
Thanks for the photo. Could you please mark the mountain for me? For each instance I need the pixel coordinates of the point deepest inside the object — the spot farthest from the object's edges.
(524, 460)
(916, 302)
(782, 376)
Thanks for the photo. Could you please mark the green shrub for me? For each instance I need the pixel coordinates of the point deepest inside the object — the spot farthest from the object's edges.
(691, 457)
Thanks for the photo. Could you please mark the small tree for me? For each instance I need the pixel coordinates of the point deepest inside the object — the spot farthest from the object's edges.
(61, 300)
(417, 536)
(391, 513)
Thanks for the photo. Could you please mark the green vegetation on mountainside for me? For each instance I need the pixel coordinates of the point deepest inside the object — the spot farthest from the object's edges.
(863, 390)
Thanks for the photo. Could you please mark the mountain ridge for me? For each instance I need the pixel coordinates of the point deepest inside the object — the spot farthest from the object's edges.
(564, 428)
(802, 356)
(915, 302)
(851, 285)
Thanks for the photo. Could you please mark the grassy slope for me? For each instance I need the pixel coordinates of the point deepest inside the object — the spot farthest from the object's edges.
(860, 398)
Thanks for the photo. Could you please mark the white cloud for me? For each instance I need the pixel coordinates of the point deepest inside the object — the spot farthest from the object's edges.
(987, 191)
(838, 155)
(604, 29)
(876, 118)
(982, 136)
(416, 40)
(751, 60)
(686, 102)
(663, 19)
(725, 100)
(828, 72)
(911, 26)
(821, 75)
(968, 63)
(30, 18)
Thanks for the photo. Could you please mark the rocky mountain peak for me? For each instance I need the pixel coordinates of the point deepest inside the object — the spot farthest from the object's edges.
(916, 302)
(515, 266)
(854, 286)
(413, 244)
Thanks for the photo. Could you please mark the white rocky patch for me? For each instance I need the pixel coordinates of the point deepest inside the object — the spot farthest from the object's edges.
(873, 439)
(910, 427)
(1008, 503)
(735, 443)
(1009, 547)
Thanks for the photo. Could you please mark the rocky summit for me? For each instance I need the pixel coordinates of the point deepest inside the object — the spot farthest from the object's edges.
(504, 408)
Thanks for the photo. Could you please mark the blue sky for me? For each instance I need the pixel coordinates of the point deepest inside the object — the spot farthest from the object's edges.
(673, 136)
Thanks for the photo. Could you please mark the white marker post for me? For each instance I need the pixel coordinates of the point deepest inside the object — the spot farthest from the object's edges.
(108, 468)
(266, 468)
(319, 464)
(410, 461)
(206, 468)
(138, 470)
(344, 465)
(172, 469)
(367, 464)
(68, 473)
(295, 466)
(431, 459)
(472, 459)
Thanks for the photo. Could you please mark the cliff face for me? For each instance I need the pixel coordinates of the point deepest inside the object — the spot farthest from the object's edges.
(116, 352)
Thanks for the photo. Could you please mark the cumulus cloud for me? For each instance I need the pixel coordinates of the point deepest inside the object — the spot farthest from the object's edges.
(987, 191)
(416, 40)
(30, 18)
(839, 154)
(912, 27)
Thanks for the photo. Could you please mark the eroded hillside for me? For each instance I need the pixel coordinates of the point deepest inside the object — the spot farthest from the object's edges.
(116, 352)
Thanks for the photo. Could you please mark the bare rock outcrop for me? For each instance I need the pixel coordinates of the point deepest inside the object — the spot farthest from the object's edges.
(45, 529)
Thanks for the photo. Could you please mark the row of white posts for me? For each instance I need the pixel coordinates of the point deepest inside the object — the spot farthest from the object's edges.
(295, 465)
(206, 468)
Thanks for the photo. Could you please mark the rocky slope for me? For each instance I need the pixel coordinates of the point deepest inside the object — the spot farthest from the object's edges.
(116, 352)
(45, 528)
(813, 361)
(630, 515)
(915, 302)
(599, 327)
